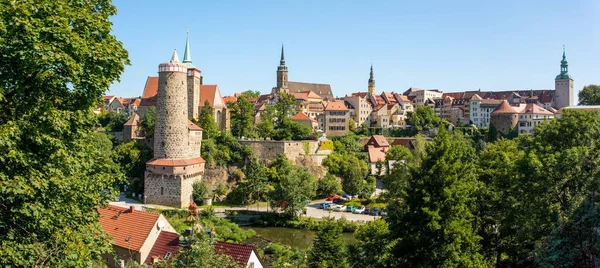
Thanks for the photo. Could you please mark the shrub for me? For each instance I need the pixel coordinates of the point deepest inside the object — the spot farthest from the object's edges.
(273, 249)
(198, 192)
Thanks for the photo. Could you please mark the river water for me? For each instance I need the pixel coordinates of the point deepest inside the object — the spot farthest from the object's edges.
(297, 238)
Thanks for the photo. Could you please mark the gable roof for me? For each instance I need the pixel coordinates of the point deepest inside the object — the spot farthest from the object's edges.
(323, 90)
(150, 91)
(337, 105)
(128, 227)
(212, 94)
(239, 252)
(379, 141)
(406, 142)
(227, 99)
(301, 117)
(532, 108)
(133, 121)
(192, 126)
(166, 242)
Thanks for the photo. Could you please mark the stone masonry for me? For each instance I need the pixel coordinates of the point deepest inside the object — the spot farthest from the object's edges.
(177, 163)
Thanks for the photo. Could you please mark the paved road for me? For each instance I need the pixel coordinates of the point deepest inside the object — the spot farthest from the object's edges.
(312, 210)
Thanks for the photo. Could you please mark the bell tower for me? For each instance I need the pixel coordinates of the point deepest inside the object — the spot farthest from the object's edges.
(194, 77)
(282, 74)
(371, 81)
(563, 85)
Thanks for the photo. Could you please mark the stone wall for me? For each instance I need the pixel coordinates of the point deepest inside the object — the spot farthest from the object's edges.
(504, 122)
(171, 186)
(171, 130)
(269, 150)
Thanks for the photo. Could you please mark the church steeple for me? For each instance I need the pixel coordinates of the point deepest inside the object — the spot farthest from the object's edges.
(564, 67)
(371, 81)
(187, 56)
(282, 74)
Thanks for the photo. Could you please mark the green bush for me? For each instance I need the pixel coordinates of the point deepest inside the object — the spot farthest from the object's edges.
(198, 192)
(273, 249)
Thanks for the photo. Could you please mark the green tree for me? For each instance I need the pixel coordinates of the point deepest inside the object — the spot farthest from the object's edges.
(352, 125)
(434, 220)
(293, 187)
(423, 118)
(399, 153)
(242, 117)
(328, 185)
(266, 128)
(373, 247)
(256, 180)
(58, 59)
(251, 93)
(590, 95)
(207, 122)
(353, 177)
(132, 158)
(149, 122)
(112, 121)
(328, 248)
(198, 191)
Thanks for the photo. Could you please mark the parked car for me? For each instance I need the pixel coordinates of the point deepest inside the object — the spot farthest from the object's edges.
(350, 208)
(332, 197)
(383, 212)
(359, 210)
(340, 208)
(338, 201)
(375, 212)
(367, 211)
(324, 205)
(331, 206)
(346, 196)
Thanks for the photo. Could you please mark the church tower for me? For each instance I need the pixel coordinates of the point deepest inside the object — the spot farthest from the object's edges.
(177, 163)
(563, 85)
(282, 74)
(371, 81)
(194, 77)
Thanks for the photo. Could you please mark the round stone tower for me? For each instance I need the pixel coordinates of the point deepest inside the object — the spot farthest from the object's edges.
(171, 130)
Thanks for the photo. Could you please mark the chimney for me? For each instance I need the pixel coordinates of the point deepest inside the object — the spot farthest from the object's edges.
(131, 209)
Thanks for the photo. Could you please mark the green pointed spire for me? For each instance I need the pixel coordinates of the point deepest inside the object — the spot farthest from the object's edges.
(187, 56)
(564, 67)
(282, 61)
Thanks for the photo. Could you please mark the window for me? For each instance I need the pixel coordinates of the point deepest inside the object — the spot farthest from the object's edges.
(162, 191)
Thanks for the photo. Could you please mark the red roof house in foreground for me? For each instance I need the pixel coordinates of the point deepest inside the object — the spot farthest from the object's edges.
(244, 255)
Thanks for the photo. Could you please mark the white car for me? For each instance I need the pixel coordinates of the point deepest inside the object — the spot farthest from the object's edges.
(359, 210)
(340, 208)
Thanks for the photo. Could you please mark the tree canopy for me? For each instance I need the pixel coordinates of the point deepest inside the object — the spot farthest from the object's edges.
(589, 95)
(58, 59)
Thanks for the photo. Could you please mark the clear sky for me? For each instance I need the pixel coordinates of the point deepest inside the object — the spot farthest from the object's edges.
(448, 45)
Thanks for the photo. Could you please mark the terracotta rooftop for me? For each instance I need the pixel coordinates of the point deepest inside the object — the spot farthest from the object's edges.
(376, 154)
(406, 142)
(337, 105)
(129, 228)
(301, 117)
(380, 140)
(504, 108)
(133, 120)
(491, 101)
(175, 162)
(532, 108)
(150, 91)
(212, 94)
(192, 126)
(227, 99)
(166, 242)
(240, 253)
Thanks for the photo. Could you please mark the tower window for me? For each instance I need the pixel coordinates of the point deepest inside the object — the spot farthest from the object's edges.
(162, 191)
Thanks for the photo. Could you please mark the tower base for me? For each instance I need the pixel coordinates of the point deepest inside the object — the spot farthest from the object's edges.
(169, 182)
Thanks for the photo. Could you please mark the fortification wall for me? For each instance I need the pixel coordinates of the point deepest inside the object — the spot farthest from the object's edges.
(269, 150)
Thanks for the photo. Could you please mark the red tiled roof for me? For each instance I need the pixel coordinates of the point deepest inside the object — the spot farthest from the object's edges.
(301, 117)
(150, 91)
(504, 108)
(108, 97)
(491, 101)
(227, 99)
(175, 162)
(532, 108)
(192, 126)
(337, 105)
(128, 228)
(166, 242)
(240, 253)
(135, 103)
(403, 98)
(212, 94)
(379, 106)
(406, 142)
(379, 140)
(359, 94)
(376, 154)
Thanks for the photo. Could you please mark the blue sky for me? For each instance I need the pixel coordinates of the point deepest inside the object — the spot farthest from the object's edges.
(448, 45)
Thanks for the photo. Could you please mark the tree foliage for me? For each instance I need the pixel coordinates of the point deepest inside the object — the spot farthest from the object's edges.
(328, 185)
(242, 118)
(293, 187)
(132, 158)
(423, 118)
(148, 122)
(207, 122)
(328, 248)
(589, 95)
(201, 253)
(374, 246)
(434, 223)
(111, 121)
(58, 59)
